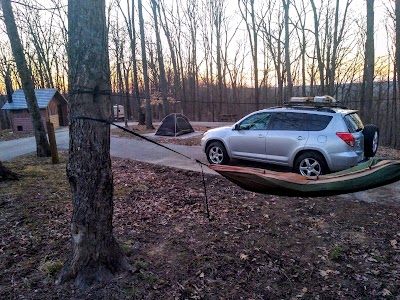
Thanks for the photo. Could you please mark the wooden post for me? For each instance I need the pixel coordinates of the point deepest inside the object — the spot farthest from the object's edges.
(52, 141)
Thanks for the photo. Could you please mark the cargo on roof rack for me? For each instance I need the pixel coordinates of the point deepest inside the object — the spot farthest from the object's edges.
(317, 101)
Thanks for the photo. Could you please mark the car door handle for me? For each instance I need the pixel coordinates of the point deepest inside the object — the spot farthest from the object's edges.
(260, 136)
(301, 138)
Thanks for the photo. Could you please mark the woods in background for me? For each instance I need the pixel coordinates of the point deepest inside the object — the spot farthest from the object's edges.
(207, 58)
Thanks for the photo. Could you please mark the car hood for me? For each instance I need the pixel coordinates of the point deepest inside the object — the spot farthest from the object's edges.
(219, 129)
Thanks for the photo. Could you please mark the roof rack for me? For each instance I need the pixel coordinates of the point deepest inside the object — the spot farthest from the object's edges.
(317, 101)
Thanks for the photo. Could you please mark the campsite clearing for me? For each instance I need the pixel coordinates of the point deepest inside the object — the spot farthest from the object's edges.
(254, 247)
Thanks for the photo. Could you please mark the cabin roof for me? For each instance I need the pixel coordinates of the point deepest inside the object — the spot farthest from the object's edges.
(43, 97)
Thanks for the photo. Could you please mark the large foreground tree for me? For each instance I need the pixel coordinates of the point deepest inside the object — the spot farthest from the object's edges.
(96, 255)
(42, 144)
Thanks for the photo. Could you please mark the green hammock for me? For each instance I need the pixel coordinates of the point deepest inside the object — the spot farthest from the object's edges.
(367, 175)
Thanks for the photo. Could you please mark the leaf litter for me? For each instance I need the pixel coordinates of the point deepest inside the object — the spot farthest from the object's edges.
(254, 247)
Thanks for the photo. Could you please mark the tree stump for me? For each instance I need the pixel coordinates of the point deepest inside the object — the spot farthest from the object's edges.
(6, 174)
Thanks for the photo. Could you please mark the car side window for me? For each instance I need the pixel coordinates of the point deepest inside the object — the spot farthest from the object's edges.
(258, 121)
(288, 121)
(317, 122)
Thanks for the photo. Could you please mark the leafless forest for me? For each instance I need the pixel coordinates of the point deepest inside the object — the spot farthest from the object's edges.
(207, 58)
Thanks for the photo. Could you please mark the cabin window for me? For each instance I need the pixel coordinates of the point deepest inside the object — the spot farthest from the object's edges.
(19, 128)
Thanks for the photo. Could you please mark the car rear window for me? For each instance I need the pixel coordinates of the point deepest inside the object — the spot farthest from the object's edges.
(317, 122)
(353, 122)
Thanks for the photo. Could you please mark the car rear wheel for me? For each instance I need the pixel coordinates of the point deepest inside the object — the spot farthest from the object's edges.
(217, 154)
(311, 164)
(371, 140)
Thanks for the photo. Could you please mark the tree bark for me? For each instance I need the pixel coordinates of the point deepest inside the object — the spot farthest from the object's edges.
(177, 81)
(96, 255)
(369, 64)
(396, 139)
(163, 81)
(252, 31)
(42, 144)
(289, 92)
(318, 48)
(217, 20)
(130, 24)
(135, 70)
(149, 117)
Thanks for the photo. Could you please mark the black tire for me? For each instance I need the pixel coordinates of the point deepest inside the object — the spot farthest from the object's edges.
(217, 154)
(371, 140)
(311, 163)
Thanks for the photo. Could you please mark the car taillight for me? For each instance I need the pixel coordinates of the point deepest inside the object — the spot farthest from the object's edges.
(347, 137)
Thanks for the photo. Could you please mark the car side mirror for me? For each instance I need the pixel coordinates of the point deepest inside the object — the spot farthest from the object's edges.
(236, 127)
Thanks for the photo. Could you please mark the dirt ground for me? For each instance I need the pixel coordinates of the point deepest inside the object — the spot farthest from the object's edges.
(253, 246)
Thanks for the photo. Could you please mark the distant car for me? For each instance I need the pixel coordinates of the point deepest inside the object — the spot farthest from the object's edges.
(119, 112)
(313, 136)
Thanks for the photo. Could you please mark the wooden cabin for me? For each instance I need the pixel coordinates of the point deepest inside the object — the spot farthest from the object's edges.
(53, 107)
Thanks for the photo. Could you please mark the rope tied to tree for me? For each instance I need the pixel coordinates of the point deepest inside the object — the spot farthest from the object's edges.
(95, 92)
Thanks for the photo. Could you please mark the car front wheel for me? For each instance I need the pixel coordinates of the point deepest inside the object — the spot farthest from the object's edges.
(311, 164)
(217, 154)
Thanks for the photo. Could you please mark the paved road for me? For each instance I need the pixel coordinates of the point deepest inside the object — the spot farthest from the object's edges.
(120, 147)
(151, 153)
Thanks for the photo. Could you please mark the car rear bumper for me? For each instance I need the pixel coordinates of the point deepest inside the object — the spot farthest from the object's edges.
(342, 161)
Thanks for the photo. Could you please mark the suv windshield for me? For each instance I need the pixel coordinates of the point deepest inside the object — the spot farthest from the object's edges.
(353, 122)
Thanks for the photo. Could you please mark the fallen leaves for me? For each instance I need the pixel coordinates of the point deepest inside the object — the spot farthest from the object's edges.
(255, 247)
(243, 256)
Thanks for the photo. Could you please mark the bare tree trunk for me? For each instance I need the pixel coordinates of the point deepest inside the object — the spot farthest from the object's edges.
(337, 39)
(183, 97)
(252, 30)
(128, 108)
(163, 81)
(42, 144)
(318, 47)
(396, 139)
(8, 83)
(217, 21)
(96, 255)
(5, 119)
(130, 24)
(303, 44)
(289, 93)
(149, 117)
(177, 82)
(369, 63)
(274, 44)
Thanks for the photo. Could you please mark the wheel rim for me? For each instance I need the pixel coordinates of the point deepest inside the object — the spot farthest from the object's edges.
(310, 167)
(216, 155)
(375, 142)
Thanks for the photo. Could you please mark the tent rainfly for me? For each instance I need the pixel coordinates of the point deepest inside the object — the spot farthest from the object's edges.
(174, 125)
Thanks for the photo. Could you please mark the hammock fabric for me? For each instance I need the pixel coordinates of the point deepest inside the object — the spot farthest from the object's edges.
(367, 175)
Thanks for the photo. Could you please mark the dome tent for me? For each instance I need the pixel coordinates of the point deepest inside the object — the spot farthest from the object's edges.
(174, 125)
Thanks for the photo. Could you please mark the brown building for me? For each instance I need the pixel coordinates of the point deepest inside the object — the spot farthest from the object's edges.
(53, 107)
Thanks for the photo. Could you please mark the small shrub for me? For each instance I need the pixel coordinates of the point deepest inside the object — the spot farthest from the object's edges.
(336, 253)
(51, 268)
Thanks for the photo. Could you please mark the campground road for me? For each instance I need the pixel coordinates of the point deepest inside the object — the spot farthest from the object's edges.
(151, 153)
(120, 147)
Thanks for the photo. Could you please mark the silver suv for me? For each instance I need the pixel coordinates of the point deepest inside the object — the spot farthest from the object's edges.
(313, 138)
